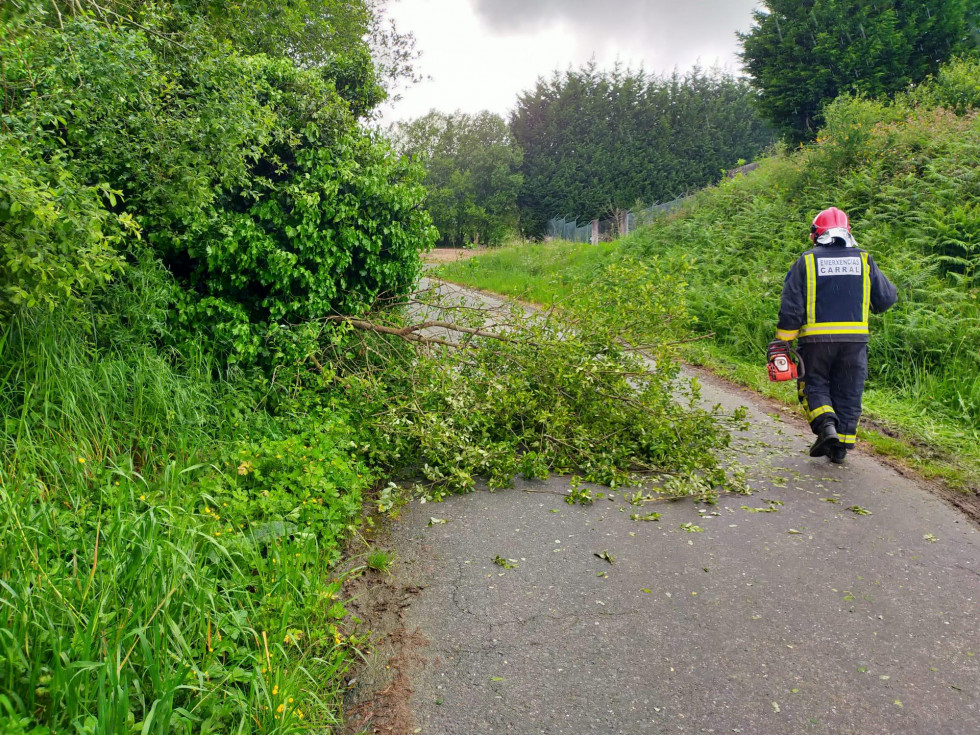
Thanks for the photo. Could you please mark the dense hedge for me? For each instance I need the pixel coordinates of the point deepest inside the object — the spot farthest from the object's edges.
(249, 176)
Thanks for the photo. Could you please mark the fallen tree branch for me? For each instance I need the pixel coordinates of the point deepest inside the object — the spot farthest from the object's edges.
(411, 332)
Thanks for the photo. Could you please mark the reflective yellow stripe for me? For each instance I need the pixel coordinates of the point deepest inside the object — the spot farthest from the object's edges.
(848, 438)
(786, 334)
(811, 290)
(834, 328)
(819, 411)
(867, 287)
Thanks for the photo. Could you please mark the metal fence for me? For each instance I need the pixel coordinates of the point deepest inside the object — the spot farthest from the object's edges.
(606, 230)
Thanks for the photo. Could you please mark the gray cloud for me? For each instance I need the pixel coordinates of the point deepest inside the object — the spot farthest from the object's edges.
(659, 33)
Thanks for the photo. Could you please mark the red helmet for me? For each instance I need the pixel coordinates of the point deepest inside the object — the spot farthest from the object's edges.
(829, 219)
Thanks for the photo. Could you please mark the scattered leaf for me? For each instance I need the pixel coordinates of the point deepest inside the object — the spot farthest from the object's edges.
(437, 522)
(691, 528)
(645, 517)
(606, 555)
(769, 509)
(858, 510)
(505, 563)
(930, 538)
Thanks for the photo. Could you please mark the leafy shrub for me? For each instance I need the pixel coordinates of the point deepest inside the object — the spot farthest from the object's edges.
(249, 176)
(57, 238)
(956, 86)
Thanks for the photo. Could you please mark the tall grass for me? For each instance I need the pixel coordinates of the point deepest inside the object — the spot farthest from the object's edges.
(145, 582)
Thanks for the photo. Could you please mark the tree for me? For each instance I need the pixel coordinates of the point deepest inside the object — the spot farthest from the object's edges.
(801, 55)
(471, 174)
(597, 141)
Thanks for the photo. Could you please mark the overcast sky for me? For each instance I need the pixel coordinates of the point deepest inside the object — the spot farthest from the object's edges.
(481, 53)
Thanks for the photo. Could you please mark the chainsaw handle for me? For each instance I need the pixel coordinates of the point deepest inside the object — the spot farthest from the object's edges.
(799, 363)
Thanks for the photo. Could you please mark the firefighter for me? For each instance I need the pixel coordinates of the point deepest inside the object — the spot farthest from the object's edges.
(827, 296)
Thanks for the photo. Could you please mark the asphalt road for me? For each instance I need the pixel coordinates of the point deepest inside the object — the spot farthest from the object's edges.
(787, 613)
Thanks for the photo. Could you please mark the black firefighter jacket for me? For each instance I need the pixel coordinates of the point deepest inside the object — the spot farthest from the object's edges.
(828, 294)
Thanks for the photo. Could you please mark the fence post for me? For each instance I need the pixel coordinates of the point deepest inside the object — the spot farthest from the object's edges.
(624, 222)
(595, 232)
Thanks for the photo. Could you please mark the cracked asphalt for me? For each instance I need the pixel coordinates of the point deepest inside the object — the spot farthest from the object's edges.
(787, 613)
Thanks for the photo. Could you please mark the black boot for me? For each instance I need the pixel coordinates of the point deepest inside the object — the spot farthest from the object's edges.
(826, 439)
(838, 454)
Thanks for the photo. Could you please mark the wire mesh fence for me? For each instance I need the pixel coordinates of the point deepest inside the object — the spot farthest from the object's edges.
(606, 230)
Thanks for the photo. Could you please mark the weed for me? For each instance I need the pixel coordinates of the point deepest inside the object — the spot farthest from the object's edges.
(379, 560)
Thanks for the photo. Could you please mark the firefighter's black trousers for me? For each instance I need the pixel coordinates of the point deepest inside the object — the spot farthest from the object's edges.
(832, 386)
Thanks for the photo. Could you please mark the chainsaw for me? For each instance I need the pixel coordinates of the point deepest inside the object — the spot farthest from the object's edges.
(784, 362)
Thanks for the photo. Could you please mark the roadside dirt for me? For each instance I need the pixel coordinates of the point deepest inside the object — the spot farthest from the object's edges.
(451, 255)
(379, 691)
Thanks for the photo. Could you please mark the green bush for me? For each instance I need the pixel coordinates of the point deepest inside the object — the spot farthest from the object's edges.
(249, 176)
(58, 240)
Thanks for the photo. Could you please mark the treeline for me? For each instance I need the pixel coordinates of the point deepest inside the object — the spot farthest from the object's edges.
(588, 142)
(584, 143)
(595, 142)
(472, 174)
(801, 55)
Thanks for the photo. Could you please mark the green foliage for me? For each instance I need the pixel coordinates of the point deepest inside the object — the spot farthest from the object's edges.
(192, 594)
(173, 201)
(248, 175)
(57, 238)
(954, 87)
(560, 393)
(471, 174)
(803, 55)
(597, 141)
(379, 561)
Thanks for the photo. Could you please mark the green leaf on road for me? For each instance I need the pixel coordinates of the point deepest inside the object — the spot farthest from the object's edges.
(605, 555)
(647, 517)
